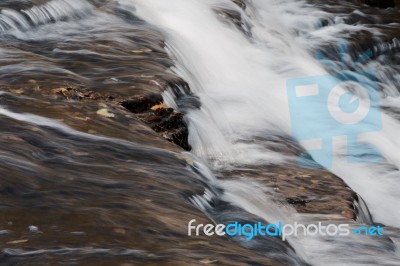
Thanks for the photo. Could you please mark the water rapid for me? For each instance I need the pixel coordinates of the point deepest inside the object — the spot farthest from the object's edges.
(101, 187)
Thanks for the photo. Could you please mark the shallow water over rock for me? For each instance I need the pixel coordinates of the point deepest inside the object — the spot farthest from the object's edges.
(90, 174)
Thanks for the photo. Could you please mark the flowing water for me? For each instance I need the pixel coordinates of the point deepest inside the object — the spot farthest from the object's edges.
(81, 189)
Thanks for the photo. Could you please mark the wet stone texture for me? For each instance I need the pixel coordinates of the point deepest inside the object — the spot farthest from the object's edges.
(380, 3)
(68, 197)
(145, 74)
(162, 119)
(118, 203)
(308, 190)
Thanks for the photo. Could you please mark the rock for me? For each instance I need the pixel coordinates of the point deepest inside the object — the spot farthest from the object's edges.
(180, 137)
(141, 104)
(349, 214)
(70, 93)
(240, 3)
(296, 201)
(170, 124)
(151, 110)
(380, 3)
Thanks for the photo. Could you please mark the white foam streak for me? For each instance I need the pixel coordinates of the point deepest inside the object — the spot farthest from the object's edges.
(56, 10)
(52, 11)
(242, 86)
(50, 123)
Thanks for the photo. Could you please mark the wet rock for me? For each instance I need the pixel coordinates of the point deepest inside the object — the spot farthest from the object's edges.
(297, 201)
(70, 93)
(380, 3)
(240, 3)
(235, 17)
(142, 103)
(308, 190)
(166, 121)
(170, 124)
(349, 214)
(179, 136)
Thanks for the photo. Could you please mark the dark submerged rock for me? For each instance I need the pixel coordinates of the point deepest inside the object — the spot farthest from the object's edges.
(240, 3)
(142, 103)
(150, 110)
(297, 201)
(380, 3)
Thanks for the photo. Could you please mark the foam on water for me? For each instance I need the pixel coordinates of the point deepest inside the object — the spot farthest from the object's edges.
(242, 86)
(241, 83)
(52, 11)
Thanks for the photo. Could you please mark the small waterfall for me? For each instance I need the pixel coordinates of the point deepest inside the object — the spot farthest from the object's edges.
(240, 78)
(241, 83)
(55, 10)
(237, 60)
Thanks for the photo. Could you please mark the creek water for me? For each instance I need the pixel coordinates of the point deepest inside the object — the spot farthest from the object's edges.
(111, 192)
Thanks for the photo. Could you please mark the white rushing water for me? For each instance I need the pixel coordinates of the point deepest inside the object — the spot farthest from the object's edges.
(241, 83)
(240, 76)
